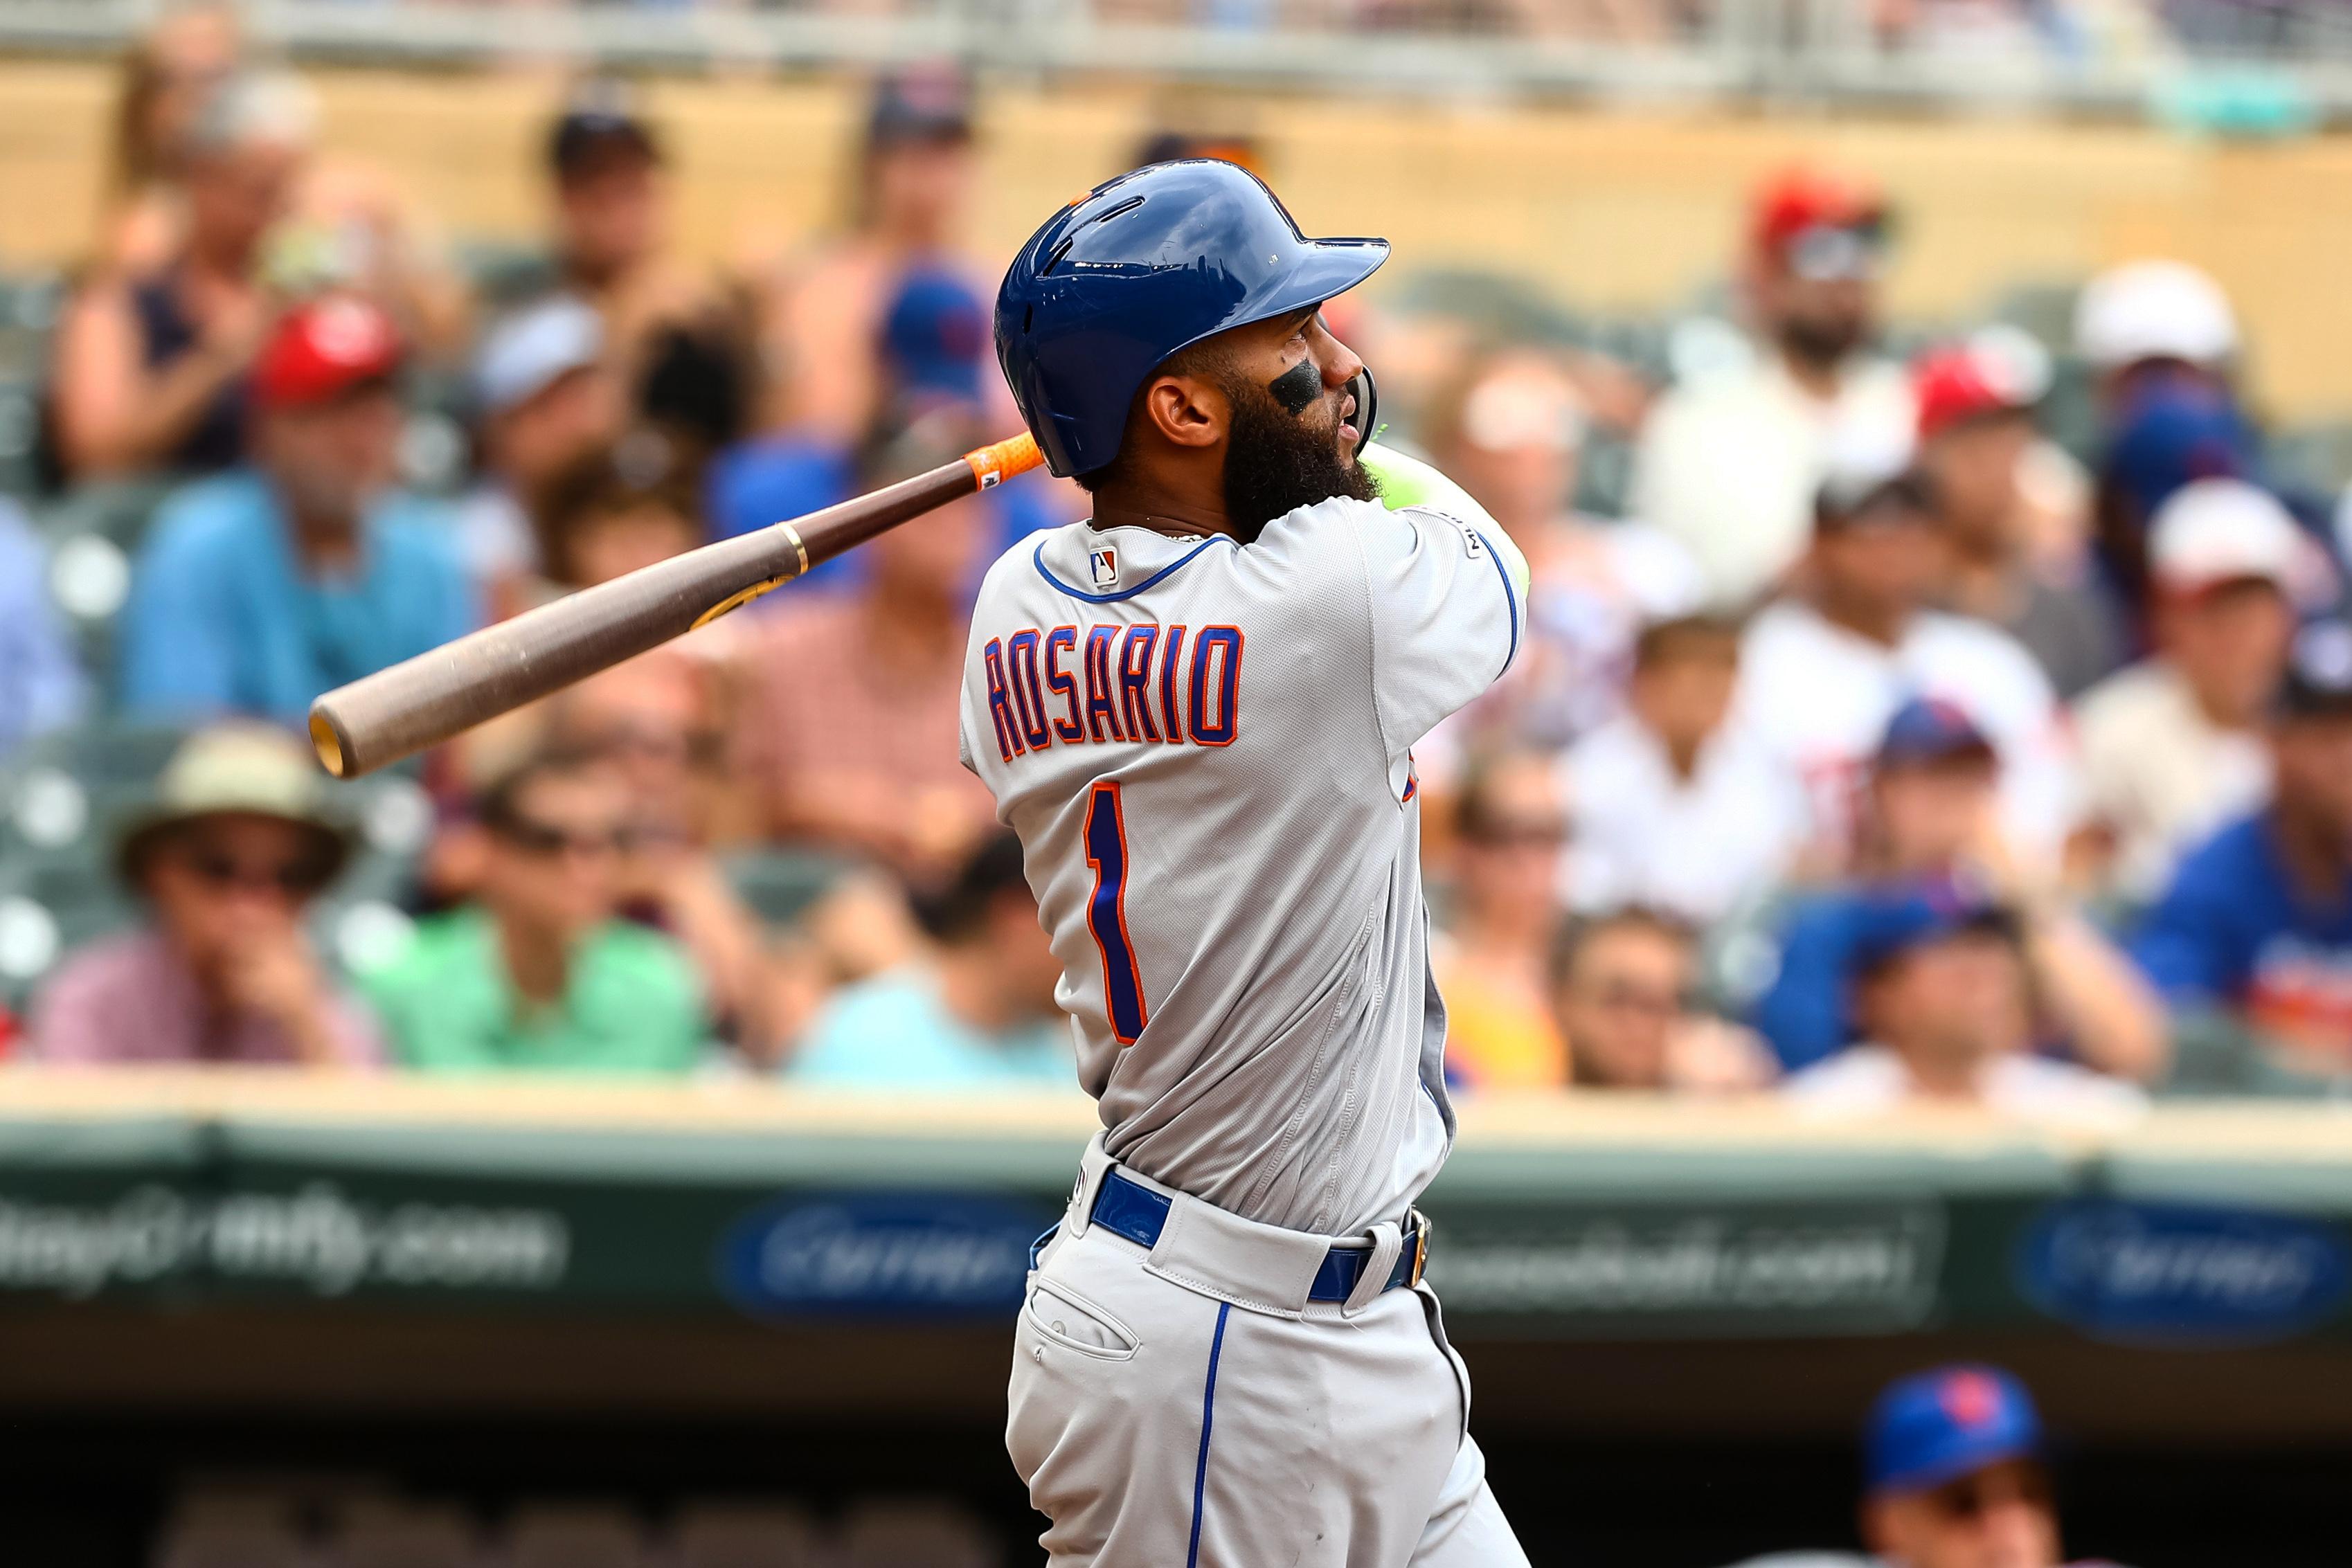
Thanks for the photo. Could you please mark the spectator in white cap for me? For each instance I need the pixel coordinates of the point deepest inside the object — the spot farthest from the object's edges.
(2156, 318)
(1821, 672)
(2174, 746)
(546, 399)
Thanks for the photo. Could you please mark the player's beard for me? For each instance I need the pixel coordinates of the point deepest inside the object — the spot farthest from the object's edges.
(1277, 461)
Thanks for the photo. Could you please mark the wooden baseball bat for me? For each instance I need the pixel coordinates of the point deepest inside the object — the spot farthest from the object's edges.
(423, 701)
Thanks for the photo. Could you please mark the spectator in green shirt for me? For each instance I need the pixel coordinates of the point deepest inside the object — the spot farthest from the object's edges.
(538, 975)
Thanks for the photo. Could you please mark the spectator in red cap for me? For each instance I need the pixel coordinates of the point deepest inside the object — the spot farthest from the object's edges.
(1729, 458)
(2012, 508)
(262, 587)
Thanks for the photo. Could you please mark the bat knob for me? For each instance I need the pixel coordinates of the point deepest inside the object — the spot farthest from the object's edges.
(328, 744)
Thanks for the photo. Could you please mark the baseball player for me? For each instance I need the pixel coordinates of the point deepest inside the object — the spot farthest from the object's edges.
(1197, 710)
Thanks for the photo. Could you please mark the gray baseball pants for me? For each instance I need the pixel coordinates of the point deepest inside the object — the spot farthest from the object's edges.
(1189, 1407)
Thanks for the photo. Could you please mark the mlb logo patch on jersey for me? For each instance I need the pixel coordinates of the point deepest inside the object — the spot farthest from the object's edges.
(1104, 564)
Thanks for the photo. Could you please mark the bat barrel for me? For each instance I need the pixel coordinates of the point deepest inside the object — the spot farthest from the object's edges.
(421, 702)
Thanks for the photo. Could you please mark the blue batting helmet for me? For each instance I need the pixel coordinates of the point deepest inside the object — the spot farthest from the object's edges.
(1142, 266)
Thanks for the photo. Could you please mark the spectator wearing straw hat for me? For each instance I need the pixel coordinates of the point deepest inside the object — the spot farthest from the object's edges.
(236, 844)
(262, 588)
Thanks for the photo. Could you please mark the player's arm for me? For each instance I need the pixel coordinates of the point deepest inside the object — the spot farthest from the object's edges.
(1409, 482)
(1446, 590)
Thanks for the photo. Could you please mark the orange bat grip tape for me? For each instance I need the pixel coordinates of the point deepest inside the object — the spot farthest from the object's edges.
(995, 464)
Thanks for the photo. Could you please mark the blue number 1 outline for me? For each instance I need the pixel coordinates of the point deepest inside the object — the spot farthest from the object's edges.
(1106, 911)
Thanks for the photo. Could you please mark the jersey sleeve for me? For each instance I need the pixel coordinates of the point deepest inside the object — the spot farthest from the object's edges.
(1447, 591)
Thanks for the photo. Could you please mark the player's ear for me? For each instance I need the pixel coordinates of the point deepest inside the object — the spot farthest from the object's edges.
(1187, 411)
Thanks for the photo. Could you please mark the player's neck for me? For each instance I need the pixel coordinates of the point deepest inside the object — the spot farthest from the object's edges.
(1166, 509)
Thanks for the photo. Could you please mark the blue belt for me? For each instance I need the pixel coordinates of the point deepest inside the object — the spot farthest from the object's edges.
(1129, 1208)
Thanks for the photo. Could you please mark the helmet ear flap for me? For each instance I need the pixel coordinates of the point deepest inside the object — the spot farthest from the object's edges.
(1368, 407)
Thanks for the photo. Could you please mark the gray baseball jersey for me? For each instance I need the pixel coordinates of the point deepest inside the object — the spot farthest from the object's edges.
(1205, 749)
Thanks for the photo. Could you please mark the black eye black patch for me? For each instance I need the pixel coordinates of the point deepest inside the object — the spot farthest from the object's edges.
(1297, 388)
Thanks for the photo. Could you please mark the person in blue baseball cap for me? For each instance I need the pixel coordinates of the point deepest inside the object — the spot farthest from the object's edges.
(1940, 985)
(1953, 1474)
(1931, 846)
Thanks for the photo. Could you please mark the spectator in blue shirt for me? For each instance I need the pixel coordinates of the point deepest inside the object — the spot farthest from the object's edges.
(40, 684)
(1930, 824)
(264, 587)
(2257, 924)
(978, 1012)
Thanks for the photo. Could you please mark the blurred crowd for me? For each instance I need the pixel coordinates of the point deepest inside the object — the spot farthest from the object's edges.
(2063, 32)
(1872, 746)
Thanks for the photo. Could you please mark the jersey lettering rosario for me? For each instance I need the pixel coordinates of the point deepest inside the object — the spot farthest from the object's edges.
(1204, 748)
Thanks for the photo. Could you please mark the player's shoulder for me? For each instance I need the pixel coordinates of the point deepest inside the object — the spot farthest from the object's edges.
(1083, 568)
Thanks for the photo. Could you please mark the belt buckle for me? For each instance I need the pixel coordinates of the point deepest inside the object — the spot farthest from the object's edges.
(1420, 1248)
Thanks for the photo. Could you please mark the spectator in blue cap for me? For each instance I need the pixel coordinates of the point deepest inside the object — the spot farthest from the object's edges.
(2257, 924)
(1931, 830)
(1954, 1475)
(2171, 434)
(932, 347)
(911, 192)
(1939, 983)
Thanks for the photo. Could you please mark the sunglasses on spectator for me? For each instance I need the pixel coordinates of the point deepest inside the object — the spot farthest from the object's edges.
(1969, 1499)
(220, 870)
(1826, 255)
(1619, 996)
(548, 840)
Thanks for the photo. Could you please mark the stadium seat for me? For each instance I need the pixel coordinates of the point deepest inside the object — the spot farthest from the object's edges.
(61, 798)
(378, 1534)
(2046, 310)
(2317, 458)
(574, 1535)
(20, 435)
(119, 509)
(916, 1534)
(744, 1535)
(233, 1530)
(780, 884)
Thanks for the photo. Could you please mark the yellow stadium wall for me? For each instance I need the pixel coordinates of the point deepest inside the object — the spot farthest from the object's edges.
(1629, 209)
